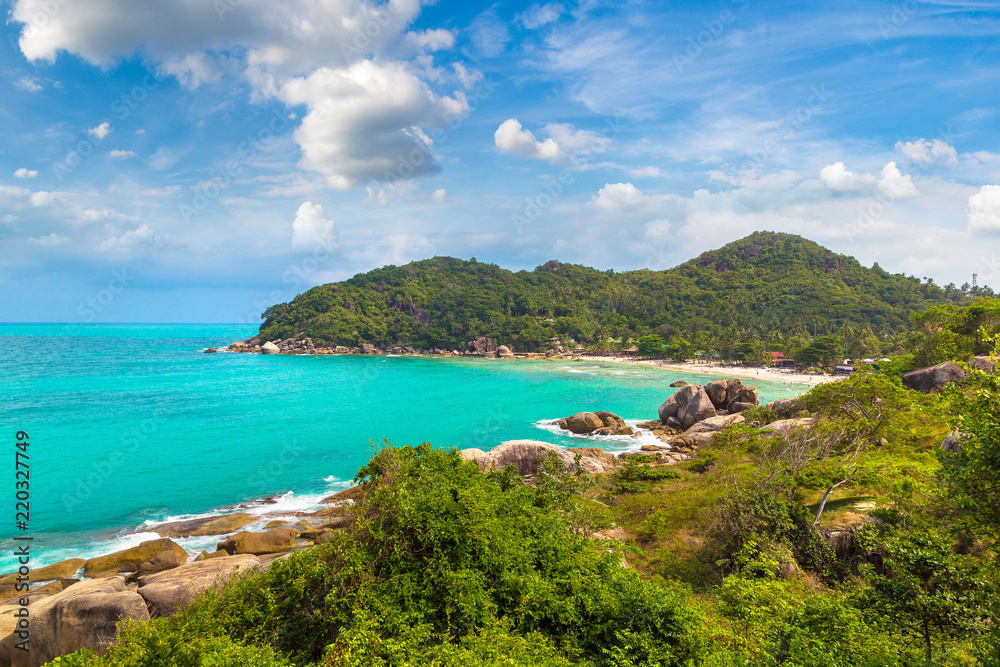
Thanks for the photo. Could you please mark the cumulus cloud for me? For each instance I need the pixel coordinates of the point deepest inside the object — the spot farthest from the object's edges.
(564, 140)
(891, 183)
(439, 195)
(133, 240)
(432, 40)
(625, 197)
(364, 122)
(311, 230)
(926, 153)
(49, 241)
(120, 154)
(100, 132)
(984, 209)
(25, 173)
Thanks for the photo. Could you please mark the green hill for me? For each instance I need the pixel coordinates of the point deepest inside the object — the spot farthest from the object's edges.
(767, 286)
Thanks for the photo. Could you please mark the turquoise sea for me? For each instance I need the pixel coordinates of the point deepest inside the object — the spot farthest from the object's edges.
(131, 425)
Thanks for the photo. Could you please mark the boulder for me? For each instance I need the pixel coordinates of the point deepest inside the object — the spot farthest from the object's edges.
(784, 425)
(349, 495)
(717, 392)
(679, 383)
(83, 616)
(238, 346)
(611, 420)
(984, 364)
(204, 555)
(272, 541)
(340, 349)
(736, 407)
(953, 442)
(269, 348)
(173, 590)
(129, 560)
(62, 570)
(713, 424)
(785, 408)
(934, 377)
(165, 560)
(481, 346)
(504, 351)
(524, 455)
(654, 423)
(211, 350)
(700, 407)
(212, 525)
(672, 406)
(582, 422)
(367, 348)
(744, 395)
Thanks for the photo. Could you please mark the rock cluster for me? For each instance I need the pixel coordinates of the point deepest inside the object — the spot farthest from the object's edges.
(481, 347)
(595, 423)
(693, 403)
(524, 455)
(931, 378)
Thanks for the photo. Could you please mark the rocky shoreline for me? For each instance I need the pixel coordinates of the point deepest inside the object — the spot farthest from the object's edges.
(480, 347)
(78, 603)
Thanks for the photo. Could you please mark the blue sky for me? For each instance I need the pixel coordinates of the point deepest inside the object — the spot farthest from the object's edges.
(198, 161)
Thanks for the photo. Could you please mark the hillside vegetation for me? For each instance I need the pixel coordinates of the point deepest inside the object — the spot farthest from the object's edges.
(767, 288)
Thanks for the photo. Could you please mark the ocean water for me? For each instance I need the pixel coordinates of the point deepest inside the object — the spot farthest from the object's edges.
(131, 425)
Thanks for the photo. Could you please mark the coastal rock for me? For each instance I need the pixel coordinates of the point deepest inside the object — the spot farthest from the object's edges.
(524, 455)
(340, 349)
(672, 406)
(204, 555)
(651, 424)
(717, 392)
(679, 383)
(984, 364)
(930, 378)
(698, 408)
(736, 407)
(474, 455)
(347, 496)
(504, 351)
(269, 348)
(367, 348)
(273, 541)
(173, 590)
(582, 422)
(481, 346)
(744, 395)
(211, 350)
(713, 424)
(239, 346)
(129, 560)
(212, 525)
(165, 560)
(84, 615)
(62, 570)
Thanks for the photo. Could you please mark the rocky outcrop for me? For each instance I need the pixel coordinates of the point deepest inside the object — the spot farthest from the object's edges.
(504, 351)
(692, 403)
(61, 570)
(269, 348)
(168, 592)
(524, 456)
(601, 422)
(699, 408)
(931, 378)
(367, 348)
(212, 525)
(272, 541)
(679, 383)
(785, 425)
(129, 560)
(714, 424)
(83, 616)
(481, 346)
(785, 408)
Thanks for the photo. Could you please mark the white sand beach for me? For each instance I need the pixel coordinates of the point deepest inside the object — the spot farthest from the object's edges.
(774, 375)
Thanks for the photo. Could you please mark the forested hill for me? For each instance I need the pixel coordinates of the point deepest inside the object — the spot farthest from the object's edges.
(765, 286)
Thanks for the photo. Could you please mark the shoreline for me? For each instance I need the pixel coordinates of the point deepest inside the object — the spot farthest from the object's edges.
(727, 371)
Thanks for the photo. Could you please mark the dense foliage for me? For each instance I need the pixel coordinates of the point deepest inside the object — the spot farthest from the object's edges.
(765, 289)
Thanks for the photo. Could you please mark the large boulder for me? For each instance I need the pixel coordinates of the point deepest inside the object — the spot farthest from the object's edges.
(785, 425)
(270, 348)
(713, 424)
(743, 395)
(504, 351)
(582, 422)
(934, 377)
(672, 406)
(270, 542)
(61, 570)
(83, 616)
(168, 592)
(953, 442)
(679, 383)
(212, 525)
(785, 408)
(481, 346)
(524, 456)
(718, 391)
(700, 407)
(129, 560)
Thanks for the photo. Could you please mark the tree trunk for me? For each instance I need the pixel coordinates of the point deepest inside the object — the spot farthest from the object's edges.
(826, 496)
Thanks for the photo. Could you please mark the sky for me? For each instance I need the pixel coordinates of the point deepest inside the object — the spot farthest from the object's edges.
(201, 160)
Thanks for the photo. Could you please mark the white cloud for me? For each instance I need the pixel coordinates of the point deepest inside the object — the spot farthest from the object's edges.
(165, 191)
(439, 195)
(536, 16)
(49, 241)
(432, 40)
(120, 154)
(364, 122)
(893, 184)
(42, 198)
(101, 131)
(132, 240)
(28, 83)
(646, 172)
(926, 153)
(984, 209)
(193, 69)
(311, 230)
(468, 78)
(839, 179)
(25, 173)
(564, 141)
(627, 197)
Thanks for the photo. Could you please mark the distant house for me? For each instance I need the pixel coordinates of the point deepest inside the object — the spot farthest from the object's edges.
(778, 360)
(844, 369)
(631, 352)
